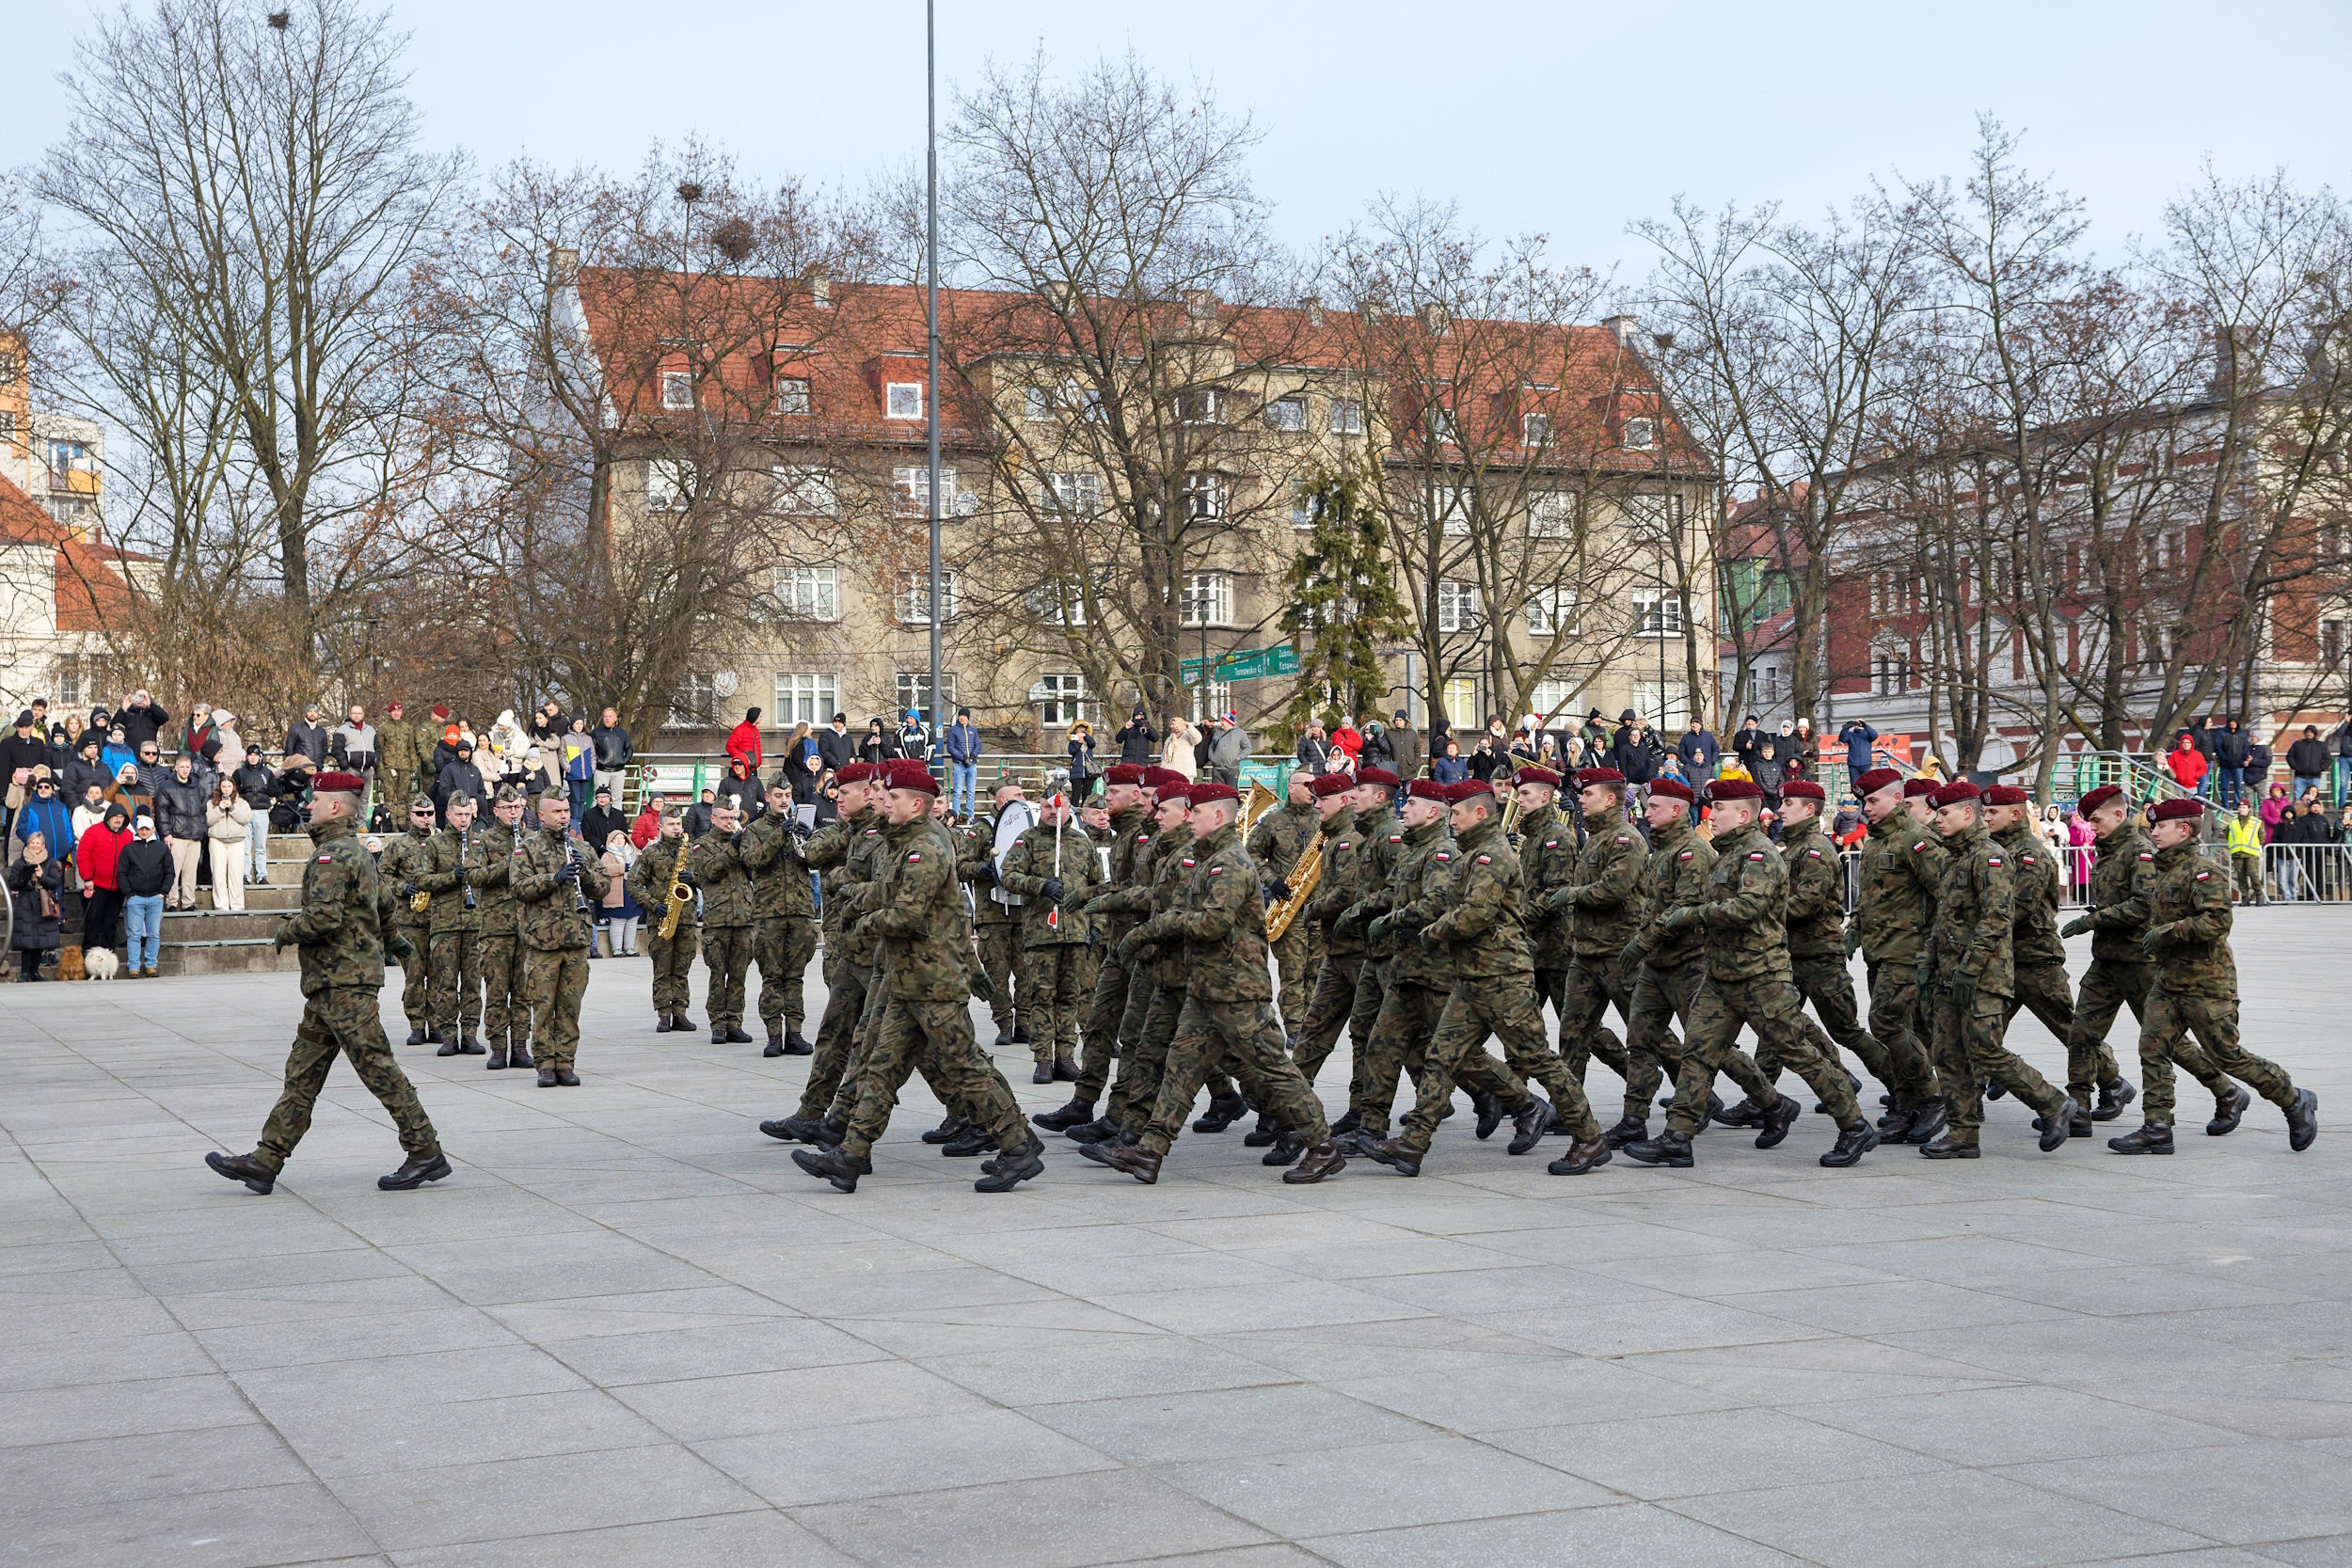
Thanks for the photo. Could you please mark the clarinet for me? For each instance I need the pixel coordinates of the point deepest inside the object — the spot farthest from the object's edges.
(579, 894)
(464, 847)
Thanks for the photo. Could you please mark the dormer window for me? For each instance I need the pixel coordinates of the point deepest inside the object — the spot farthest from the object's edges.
(903, 400)
(677, 389)
(1640, 435)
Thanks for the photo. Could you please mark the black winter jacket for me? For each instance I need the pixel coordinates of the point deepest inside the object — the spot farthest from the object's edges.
(143, 870)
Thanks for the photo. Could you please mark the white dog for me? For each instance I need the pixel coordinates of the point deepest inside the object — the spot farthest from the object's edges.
(98, 963)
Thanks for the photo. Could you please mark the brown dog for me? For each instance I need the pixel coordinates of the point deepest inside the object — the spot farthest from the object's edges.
(70, 964)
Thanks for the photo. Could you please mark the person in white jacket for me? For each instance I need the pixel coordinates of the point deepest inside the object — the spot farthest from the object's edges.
(226, 816)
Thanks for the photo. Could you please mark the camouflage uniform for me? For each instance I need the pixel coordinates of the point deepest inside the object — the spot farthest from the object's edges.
(1600, 903)
(1343, 941)
(2038, 958)
(339, 931)
(1669, 967)
(1131, 835)
(556, 927)
(844, 852)
(1156, 999)
(1376, 854)
(715, 865)
(2196, 983)
(2121, 973)
(401, 751)
(914, 915)
(505, 1015)
(1548, 851)
(1748, 982)
(1900, 867)
(457, 924)
(1219, 920)
(1975, 905)
(1476, 919)
(784, 901)
(1276, 843)
(1056, 954)
(403, 864)
(998, 926)
(1817, 949)
(649, 882)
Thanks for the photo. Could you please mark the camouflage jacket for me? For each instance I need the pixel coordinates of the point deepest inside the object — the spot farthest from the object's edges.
(715, 864)
(339, 926)
(1423, 891)
(1480, 926)
(1030, 864)
(403, 862)
(1816, 916)
(1376, 882)
(1280, 837)
(490, 868)
(781, 888)
(1338, 887)
(827, 852)
(1163, 961)
(2119, 895)
(2188, 903)
(1901, 865)
(446, 857)
(1547, 855)
(1673, 876)
(556, 917)
(1131, 835)
(914, 914)
(1219, 921)
(650, 879)
(1976, 900)
(2033, 928)
(400, 746)
(1743, 908)
(1600, 895)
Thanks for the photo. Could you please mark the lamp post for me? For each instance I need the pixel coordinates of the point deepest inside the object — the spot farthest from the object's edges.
(931, 318)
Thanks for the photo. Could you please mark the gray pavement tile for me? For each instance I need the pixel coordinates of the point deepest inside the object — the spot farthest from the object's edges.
(1526, 1391)
(399, 1331)
(422, 1378)
(47, 1477)
(2326, 1551)
(2142, 1290)
(1659, 1322)
(56, 1256)
(1523, 1288)
(548, 1267)
(348, 1298)
(1098, 1366)
(1616, 1533)
(1660, 1457)
(1895, 1307)
(397, 1433)
(822, 1463)
(1428, 1481)
(763, 1539)
(121, 1410)
(229, 1528)
(2016, 1424)
(1068, 1521)
(1240, 1309)
(771, 1345)
(91, 1358)
(1160, 1428)
(637, 1313)
(745, 1404)
(2243, 1494)
(520, 1498)
(1275, 1556)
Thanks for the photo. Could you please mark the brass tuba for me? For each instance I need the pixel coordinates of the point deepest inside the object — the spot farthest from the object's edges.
(1259, 802)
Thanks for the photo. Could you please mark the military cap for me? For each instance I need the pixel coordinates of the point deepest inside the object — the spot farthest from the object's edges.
(1123, 773)
(1330, 784)
(2098, 798)
(419, 803)
(1157, 777)
(1203, 794)
(1380, 776)
(1531, 774)
(1875, 780)
(1469, 789)
(1587, 777)
(1954, 792)
(1674, 788)
(339, 784)
(1915, 788)
(855, 772)
(1802, 789)
(2165, 811)
(1734, 789)
(460, 799)
(507, 795)
(907, 773)
(1428, 789)
(2005, 794)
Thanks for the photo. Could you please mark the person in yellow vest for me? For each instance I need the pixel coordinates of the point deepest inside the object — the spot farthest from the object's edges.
(2245, 853)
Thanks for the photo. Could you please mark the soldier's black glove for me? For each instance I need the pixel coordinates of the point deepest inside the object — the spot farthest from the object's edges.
(981, 985)
(408, 888)
(398, 948)
(1378, 929)
(570, 872)
(2077, 925)
(2157, 941)
(1630, 961)
(1277, 888)
(1965, 995)
(1051, 889)
(282, 936)
(985, 875)
(1854, 940)
(1561, 898)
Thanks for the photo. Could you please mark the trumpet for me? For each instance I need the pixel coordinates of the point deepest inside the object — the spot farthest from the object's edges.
(681, 899)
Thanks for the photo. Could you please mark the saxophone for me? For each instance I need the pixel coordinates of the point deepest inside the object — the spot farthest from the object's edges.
(681, 898)
(1303, 877)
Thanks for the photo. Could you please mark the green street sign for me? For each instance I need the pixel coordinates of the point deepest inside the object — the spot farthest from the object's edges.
(1246, 664)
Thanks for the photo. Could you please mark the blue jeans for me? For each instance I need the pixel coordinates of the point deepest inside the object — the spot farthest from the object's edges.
(144, 920)
(2231, 780)
(579, 789)
(2304, 782)
(256, 848)
(964, 777)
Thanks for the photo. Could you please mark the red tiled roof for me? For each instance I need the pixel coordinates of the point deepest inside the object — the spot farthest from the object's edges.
(90, 587)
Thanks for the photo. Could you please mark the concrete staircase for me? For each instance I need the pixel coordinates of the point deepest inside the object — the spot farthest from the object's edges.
(225, 941)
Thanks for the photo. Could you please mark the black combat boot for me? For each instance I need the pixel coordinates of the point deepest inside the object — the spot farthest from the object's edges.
(1020, 1034)
(1951, 1145)
(1077, 1112)
(1136, 1160)
(2153, 1138)
(1669, 1149)
(1895, 1126)
(1993, 1090)
(1100, 1129)
(2228, 1112)
(2303, 1120)
(498, 1056)
(661, 1023)
(1041, 1073)
(1347, 1123)
(718, 1034)
(680, 1023)
(1626, 1132)
(1265, 1132)
(2058, 1125)
(735, 1036)
(950, 1128)
(973, 1141)
(1928, 1120)
(834, 1165)
(547, 1077)
(472, 1046)
(1224, 1110)
(1745, 1113)
(1398, 1155)
(246, 1168)
(1582, 1157)
(450, 1045)
(1012, 1167)
(2113, 1097)
(519, 1054)
(417, 1034)
(416, 1171)
(1778, 1118)
(567, 1077)
(774, 1046)
(1065, 1070)
(1288, 1146)
(796, 1046)
(794, 1129)
(1854, 1142)
(1528, 1124)
(1490, 1115)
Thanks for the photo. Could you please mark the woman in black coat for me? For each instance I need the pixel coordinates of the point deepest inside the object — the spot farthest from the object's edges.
(37, 892)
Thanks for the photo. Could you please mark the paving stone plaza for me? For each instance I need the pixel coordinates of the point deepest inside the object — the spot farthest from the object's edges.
(628, 1331)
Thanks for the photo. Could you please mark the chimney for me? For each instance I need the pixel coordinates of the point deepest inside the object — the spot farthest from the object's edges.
(566, 267)
(820, 286)
(1435, 318)
(1312, 304)
(1200, 304)
(1622, 328)
(2232, 351)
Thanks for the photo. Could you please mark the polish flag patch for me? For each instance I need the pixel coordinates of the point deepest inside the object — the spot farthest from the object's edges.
(1486, 860)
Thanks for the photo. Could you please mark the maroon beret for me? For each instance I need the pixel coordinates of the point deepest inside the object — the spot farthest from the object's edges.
(1203, 794)
(1380, 776)
(2098, 798)
(1586, 777)
(1802, 789)
(1164, 777)
(1875, 780)
(855, 772)
(1954, 792)
(339, 784)
(1734, 789)
(1531, 774)
(1471, 789)
(1672, 788)
(907, 773)
(2165, 811)
(1123, 772)
(1428, 789)
(1915, 788)
(1330, 784)
(2005, 794)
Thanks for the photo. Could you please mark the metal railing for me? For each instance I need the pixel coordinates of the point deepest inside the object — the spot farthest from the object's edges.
(2288, 873)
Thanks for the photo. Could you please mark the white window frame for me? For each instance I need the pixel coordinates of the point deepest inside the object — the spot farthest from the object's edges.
(1657, 611)
(1461, 708)
(793, 395)
(810, 593)
(1302, 509)
(1037, 405)
(1203, 408)
(695, 704)
(677, 389)
(1457, 605)
(1075, 492)
(1347, 417)
(669, 483)
(1641, 433)
(911, 607)
(1534, 429)
(1551, 514)
(1287, 414)
(1545, 617)
(912, 484)
(1667, 706)
(1218, 701)
(894, 405)
(1450, 508)
(809, 697)
(1207, 600)
(1062, 701)
(806, 491)
(1205, 498)
(914, 688)
(1552, 699)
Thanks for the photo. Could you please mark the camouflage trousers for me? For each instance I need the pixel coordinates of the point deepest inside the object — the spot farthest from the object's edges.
(1145, 1034)
(2169, 1020)
(556, 982)
(869, 1021)
(349, 1022)
(828, 1069)
(782, 948)
(1507, 1007)
(2042, 991)
(1207, 1033)
(1583, 993)
(457, 982)
(504, 1012)
(1659, 997)
(727, 953)
(933, 1039)
(2108, 987)
(674, 968)
(1968, 1051)
(1057, 984)
(1297, 961)
(1768, 1003)
(1399, 1047)
(1371, 991)
(416, 991)
(1326, 1012)
(1000, 947)
(1901, 1019)
(1828, 984)
(1100, 1038)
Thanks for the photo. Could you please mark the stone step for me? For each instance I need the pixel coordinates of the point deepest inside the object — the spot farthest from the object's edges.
(243, 954)
(198, 926)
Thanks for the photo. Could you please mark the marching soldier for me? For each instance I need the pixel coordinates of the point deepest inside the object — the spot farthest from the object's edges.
(1816, 933)
(490, 869)
(1668, 966)
(1155, 992)
(1376, 853)
(1220, 922)
(2038, 959)
(843, 851)
(402, 865)
(1598, 901)
(714, 863)
(784, 901)
(556, 887)
(1972, 949)
(1128, 804)
(342, 939)
(1048, 868)
(2195, 987)
(456, 932)
(649, 882)
(1748, 983)
(998, 924)
(1547, 852)
(1277, 844)
(2120, 972)
(1889, 928)
(1343, 826)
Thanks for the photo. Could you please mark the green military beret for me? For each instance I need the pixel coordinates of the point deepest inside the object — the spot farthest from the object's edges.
(508, 794)
(421, 802)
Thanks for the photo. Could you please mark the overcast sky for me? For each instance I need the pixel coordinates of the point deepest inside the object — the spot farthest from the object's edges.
(1567, 120)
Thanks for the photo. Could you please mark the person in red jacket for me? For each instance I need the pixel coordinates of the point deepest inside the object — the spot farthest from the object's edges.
(743, 741)
(649, 824)
(94, 868)
(2188, 763)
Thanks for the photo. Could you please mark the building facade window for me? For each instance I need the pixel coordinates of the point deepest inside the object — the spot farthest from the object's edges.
(1061, 700)
(914, 486)
(1657, 612)
(806, 697)
(914, 690)
(669, 483)
(1205, 497)
(1037, 404)
(1551, 612)
(1207, 600)
(806, 492)
(1210, 703)
(677, 389)
(1461, 705)
(1534, 429)
(902, 400)
(1288, 414)
(1640, 435)
(1078, 494)
(1665, 704)
(695, 704)
(1551, 514)
(913, 603)
(1457, 605)
(793, 394)
(809, 593)
(1552, 698)
(1347, 417)
(1202, 407)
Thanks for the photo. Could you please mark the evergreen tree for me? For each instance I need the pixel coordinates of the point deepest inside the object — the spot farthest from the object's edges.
(1343, 604)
